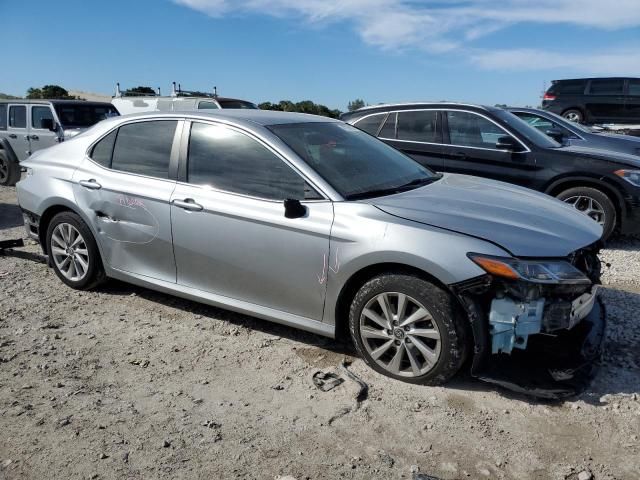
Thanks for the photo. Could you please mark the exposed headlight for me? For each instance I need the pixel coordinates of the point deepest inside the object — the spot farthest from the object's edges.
(631, 176)
(537, 271)
(29, 171)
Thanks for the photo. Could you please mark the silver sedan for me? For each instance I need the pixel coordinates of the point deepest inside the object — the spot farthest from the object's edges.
(309, 222)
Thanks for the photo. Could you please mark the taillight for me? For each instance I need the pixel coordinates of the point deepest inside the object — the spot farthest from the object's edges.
(549, 96)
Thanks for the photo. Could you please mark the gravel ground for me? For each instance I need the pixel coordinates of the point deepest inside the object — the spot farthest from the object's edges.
(124, 382)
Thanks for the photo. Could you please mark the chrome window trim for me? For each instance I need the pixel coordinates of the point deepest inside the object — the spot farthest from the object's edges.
(442, 109)
(272, 149)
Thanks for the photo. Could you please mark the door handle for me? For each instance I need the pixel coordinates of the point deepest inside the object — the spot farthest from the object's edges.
(13, 135)
(458, 155)
(188, 204)
(90, 184)
(35, 137)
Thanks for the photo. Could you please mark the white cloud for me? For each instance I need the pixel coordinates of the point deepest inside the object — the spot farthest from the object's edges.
(444, 25)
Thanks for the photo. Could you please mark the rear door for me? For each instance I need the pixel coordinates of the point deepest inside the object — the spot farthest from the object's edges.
(605, 100)
(40, 137)
(124, 187)
(17, 131)
(230, 233)
(632, 105)
(418, 134)
(470, 148)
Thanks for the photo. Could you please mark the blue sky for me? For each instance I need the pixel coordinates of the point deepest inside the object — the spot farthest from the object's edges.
(329, 51)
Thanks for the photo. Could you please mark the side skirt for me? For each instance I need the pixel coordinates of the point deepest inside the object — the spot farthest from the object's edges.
(246, 308)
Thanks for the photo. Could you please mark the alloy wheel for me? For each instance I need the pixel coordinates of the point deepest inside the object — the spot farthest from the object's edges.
(400, 334)
(572, 117)
(69, 251)
(588, 206)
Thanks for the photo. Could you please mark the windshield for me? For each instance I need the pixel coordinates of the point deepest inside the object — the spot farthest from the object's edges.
(237, 104)
(354, 163)
(530, 133)
(567, 123)
(82, 116)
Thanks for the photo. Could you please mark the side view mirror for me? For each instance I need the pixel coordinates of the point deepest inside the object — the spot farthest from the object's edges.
(294, 209)
(556, 134)
(48, 124)
(507, 142)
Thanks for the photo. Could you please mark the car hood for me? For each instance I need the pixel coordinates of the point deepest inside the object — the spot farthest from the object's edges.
(521, 221)
(610, 155)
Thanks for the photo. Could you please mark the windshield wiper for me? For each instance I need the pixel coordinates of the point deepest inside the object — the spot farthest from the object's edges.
(418, 182)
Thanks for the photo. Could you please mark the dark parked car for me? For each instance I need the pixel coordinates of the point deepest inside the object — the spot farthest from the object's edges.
(571, 133)
(491, 142)
(595, 100)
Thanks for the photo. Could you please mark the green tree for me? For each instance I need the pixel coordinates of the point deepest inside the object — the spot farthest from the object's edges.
(305, 106)
(140, 90)
(50, 92)
(355, 104)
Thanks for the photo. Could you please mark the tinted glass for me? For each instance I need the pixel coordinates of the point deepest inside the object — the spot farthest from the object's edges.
(540, 123)
(3, 116)
(354, 163)
(82, 116)
(634, 88)
(471, 130)
(524, 129)
(207, 106)
(234, 162)
(388, 130)
(18, 117)
(606, 87)
(237, 104)
(572, 87)
(38, 114)
(144, 148)
(102, 150)
(371, 124)
(417, 126)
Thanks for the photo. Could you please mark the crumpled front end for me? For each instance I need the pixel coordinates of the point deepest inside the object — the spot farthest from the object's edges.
(538, 324)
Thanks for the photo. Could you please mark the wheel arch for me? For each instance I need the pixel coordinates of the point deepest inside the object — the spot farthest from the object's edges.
(362, 276)
(609, 190)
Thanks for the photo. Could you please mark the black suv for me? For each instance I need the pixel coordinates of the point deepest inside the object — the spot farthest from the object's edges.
(595, 100)
(491, 142)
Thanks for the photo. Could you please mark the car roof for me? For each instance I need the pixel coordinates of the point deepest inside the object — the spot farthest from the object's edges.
(411, 105)
(240, 116)
(594, 78)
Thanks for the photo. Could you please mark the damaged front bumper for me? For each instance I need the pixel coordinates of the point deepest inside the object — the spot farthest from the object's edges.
(538, 339)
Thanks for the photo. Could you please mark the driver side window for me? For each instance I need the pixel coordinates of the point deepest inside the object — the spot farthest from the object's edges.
(228, 160)
(467, 129)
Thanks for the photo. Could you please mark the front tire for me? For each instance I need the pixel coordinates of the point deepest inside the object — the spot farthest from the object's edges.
(9, 170)
(73, 252)
(593, 203)
(408, 329)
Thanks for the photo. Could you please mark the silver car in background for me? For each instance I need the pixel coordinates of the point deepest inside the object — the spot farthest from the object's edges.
(311, 223)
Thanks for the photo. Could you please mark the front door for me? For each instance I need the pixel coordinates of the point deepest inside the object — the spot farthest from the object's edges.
(417, 133)
(124, 187)
(39, 137)
(17, 131)
(470, 148)
(230, 233)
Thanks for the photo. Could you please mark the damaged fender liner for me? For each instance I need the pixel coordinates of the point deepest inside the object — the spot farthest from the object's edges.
(555, 356)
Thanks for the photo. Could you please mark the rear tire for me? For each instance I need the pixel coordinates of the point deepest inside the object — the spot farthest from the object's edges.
(9, 170)
(594, 203)
(73, 252)
(421, 339)
(573, 115)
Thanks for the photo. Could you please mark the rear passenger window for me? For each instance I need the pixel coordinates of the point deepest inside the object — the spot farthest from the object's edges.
(3, 116)
(234, 162)
(18, 116)
(470, 130)
(207, 106)
(418, 126)
(572, 87)
(144, 148)
(389, 128)
(102, 151)
(606, 87)
(634, 88)
(371, 123)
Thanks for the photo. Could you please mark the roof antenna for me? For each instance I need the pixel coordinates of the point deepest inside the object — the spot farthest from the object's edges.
(215, 92)
(173, 90)
(118, 92)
